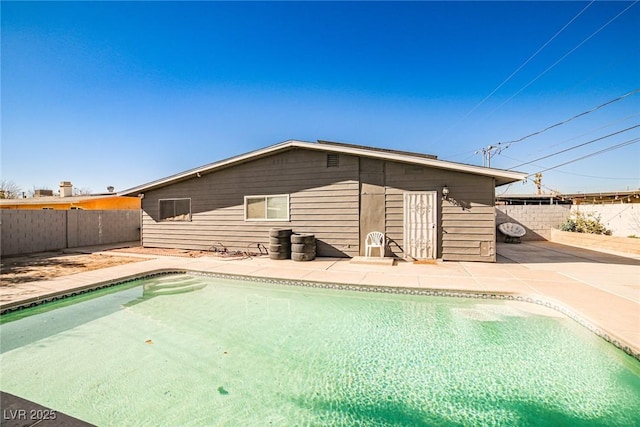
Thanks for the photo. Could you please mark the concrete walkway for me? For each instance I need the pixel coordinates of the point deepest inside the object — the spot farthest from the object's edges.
(601, 289)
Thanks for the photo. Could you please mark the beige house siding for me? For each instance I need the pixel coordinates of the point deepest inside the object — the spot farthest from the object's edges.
(323, 201)
(339, 205)
(469, 220)
(465, 231)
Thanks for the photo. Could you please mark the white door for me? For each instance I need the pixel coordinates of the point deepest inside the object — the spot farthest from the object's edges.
(420, 232)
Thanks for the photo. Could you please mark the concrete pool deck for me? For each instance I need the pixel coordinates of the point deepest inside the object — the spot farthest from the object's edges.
(601, 288)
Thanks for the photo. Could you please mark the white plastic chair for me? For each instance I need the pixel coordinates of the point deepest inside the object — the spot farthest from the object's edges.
(375, 239)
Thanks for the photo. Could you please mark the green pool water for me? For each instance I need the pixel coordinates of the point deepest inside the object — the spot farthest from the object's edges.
(184, 350)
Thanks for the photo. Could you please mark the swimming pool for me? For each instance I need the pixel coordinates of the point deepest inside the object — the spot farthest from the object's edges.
(196, 350)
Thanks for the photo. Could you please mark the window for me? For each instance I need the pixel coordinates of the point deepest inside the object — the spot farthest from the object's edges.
(175, 209)
(333, 160)
(266, 208)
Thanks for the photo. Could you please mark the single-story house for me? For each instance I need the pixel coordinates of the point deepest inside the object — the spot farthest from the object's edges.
(86, 202)
(427, 208)
(45, 199)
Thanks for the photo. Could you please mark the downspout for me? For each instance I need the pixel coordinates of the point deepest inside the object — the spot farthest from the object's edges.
(141, 195)
(66, 229)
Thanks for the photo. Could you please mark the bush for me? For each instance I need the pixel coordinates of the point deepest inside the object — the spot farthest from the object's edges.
(581, 223)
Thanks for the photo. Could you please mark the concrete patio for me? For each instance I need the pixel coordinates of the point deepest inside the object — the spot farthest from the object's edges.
(602, 289)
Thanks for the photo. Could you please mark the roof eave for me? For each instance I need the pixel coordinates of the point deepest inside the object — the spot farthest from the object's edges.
(191, 173)
(501, 176)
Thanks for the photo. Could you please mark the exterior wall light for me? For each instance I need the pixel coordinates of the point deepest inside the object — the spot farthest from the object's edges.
(445, 192)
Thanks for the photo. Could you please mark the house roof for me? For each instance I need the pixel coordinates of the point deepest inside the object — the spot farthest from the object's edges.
(531, 199)
(56, 199)
(501, 176)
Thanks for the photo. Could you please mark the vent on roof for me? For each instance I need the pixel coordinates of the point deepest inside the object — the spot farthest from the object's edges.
(333, 160)
(382, 150)
(42, 193)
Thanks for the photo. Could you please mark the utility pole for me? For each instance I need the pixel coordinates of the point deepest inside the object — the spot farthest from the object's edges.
(488, 153)
(538, 182)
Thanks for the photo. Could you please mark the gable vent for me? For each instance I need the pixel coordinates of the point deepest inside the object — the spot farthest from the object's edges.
(333, 160)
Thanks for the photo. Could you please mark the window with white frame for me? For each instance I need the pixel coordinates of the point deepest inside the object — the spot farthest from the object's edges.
(266, 208)
(174, 209)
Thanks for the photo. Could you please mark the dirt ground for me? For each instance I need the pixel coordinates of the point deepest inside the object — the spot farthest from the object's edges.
(160, 251)
(47, 265)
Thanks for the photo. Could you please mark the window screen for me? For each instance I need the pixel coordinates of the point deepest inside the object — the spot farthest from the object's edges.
(267, 208)
(175, 209)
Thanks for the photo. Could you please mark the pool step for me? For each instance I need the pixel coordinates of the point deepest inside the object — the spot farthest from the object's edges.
(170, 280)
(489, 312)
(167, 285)
(477, 315)
(173, 285)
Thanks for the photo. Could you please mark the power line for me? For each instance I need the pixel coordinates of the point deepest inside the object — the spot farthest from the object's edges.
(574, 174)
(522, 65)
(492, 150)
(505, 190)
(597, 177)
(575, 146)
(529, 60)
(595, 129)
(453, 156)
(633, 92)
(614, 147)
(564, 56)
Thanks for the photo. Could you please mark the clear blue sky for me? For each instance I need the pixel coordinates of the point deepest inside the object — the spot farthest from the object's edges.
(123, 93)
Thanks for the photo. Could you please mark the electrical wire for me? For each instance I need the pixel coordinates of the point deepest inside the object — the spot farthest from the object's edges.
(564, 56)
(520, 67)
(453, 156)
(528, 60)
(597, 177)
(633, 92)
(573, 174)
(593, 130)
(505, 190)
(501, 146)
(614, 147)
(575, 146)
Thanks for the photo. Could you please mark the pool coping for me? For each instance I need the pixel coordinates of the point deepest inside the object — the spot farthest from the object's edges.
(547, 302)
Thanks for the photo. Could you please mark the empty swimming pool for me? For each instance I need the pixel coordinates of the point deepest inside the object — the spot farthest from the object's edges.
(196, 350)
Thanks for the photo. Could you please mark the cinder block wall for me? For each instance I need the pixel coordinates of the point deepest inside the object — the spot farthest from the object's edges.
(538, 220)
(30, 231)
